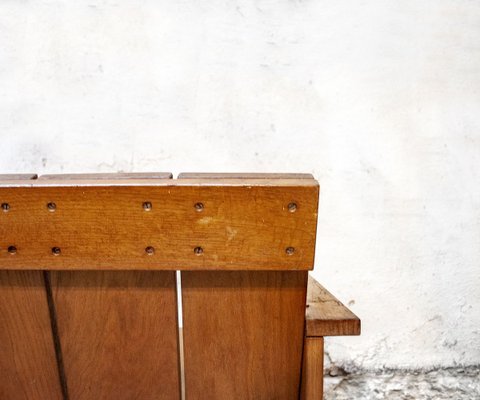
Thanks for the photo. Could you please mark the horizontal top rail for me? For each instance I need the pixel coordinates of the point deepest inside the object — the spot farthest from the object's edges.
(114, 222)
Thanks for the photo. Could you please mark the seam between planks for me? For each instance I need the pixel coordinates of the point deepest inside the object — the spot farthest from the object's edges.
(56, 339)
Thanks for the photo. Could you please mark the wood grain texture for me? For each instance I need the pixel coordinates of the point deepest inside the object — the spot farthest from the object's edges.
(117, 175)
(243, 225)
(312, 371)
(327, 316)
(243, 334)
(28, 369)
(118, 332)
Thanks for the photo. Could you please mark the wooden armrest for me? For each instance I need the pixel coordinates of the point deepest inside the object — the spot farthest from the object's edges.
(326, 316)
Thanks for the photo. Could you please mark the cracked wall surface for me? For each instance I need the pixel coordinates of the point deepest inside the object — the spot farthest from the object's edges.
(448, 384)
(379, 99)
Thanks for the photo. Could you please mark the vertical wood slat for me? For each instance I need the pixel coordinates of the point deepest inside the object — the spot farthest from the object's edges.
(243, 334)
(28, 369)
(312, 372)
(119, 334)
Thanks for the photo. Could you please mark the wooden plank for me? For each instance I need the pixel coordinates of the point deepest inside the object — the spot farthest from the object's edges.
(28, 369)
(117, 175)
(16, 177)
(238, 175)
(193, 182)
(243, 334)
(119, 333)
(327, 316)
(312, 372)
(256, 224)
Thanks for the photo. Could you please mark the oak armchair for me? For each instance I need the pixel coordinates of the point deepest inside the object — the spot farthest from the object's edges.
(94, 269)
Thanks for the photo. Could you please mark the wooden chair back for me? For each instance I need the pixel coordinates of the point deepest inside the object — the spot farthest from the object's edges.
(90, 289)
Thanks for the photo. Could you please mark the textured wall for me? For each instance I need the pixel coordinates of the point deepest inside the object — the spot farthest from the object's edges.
(379, 99)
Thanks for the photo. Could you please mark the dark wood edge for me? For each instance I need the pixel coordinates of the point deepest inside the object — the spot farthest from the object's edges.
(326, 315)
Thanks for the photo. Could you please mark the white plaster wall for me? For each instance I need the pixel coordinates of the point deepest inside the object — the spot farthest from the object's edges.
(379, 99)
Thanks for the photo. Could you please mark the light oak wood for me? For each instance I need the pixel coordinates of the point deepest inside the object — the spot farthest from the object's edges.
(118, 332)
(326, 315)
(238, 224)
(28, 369)
(243, 334)
(312, 372)
(245, 324)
